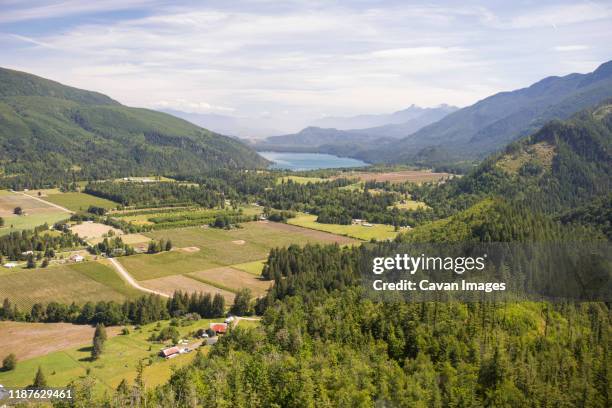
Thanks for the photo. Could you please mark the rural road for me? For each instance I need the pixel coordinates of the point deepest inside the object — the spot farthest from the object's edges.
(130, 280)
(47, 202)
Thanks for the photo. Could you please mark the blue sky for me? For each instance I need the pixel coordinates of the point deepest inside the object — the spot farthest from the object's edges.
(292, 61)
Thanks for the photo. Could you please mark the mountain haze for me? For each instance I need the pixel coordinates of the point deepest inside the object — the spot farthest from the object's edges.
(491, 123)
(354, 140)
(51, 132)
(246, 128)
(372, 121)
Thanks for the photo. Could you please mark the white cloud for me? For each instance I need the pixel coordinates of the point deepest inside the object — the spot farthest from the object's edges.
(563, 14)
(569, 48)
(299, 59)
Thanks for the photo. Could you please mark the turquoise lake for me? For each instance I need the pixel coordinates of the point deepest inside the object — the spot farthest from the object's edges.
(309, 161)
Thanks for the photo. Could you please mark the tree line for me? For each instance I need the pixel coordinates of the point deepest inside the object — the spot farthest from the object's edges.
(142, 310)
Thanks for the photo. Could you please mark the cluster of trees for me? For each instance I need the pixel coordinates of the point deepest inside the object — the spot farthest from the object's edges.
(203, 304)
(143, 310)
(278, 216)
(224, 222)
(17, 245)
(596, 214)
(96, 210)
(238, 186)
(334, 215)
(113, 246)
(155, 194)
(159, 246)
(242, 303)
(333, 204)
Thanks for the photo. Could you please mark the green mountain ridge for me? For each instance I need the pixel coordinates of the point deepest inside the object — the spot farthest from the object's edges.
(563, 171)
(51, 133)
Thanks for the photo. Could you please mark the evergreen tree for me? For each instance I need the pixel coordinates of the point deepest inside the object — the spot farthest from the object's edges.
(9, 362)
(39, 380)
(218, 305)
(98, 341)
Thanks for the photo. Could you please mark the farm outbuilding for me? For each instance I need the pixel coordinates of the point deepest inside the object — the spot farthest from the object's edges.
(170, 352)
(219, 328)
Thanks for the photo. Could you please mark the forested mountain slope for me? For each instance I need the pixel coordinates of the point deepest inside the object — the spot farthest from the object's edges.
(562, 166)
(51, 133)
(488, 125)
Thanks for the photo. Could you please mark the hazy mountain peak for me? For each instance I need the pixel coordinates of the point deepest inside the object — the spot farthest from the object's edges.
(373, 120)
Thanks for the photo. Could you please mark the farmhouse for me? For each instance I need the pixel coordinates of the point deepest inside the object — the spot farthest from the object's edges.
(219, 328)
(77, 258)
(170, 352)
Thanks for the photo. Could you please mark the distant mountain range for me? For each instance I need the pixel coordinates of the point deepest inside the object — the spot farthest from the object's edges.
(373, 121)
(244, 128)
(359, 135)
(51, 132)
(445, 135)
(488, 125)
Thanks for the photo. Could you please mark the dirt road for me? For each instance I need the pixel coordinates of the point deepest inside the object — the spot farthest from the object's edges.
(47, 202)
(130, 280)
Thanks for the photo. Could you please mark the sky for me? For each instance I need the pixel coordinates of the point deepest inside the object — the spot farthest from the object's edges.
(293, 61)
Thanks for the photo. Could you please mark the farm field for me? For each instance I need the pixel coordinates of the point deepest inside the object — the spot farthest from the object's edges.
(228, 277)
(103, 273)
(414, 176)
(79, 201)
(29, 340)
(217, 247)
(254, 268)
(377, 231)
(89, 230)
(120, 358)
(36, 212)
(186, 283)
(182, 217)
(301, 179)
(411, 205)
(89, 281)
(22, 222)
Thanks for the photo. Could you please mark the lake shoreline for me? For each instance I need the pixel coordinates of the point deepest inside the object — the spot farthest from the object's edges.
(301, 161)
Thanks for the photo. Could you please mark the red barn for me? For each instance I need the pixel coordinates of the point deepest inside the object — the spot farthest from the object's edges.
(219, 328)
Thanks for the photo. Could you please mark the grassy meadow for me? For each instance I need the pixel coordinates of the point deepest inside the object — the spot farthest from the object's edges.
(80, 283)
(377, 231)
(79, 201)
(121, 356)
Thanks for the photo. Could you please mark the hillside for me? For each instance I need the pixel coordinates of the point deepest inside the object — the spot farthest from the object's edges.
(51, 133)
(488, 125)
(564, 165)
(350, 142)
